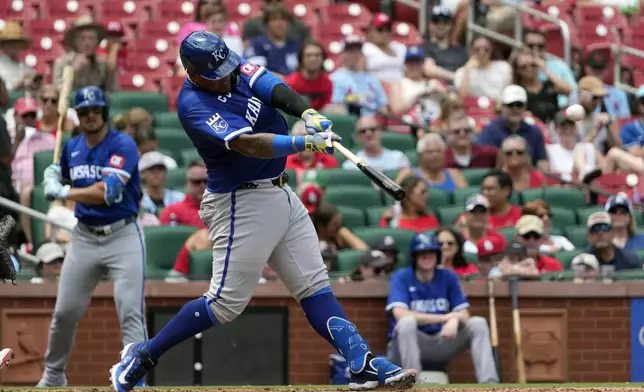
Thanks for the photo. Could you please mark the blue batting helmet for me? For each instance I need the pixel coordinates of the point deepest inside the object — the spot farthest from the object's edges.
(205, 54)
(424, 242)
(89, 97)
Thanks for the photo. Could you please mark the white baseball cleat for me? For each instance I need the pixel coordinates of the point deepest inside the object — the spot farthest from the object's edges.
(6, 355)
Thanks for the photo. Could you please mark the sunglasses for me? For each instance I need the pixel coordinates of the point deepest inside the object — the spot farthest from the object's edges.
(619, 211)
(448, 243)
(52, 100)
(479, 210)
(531, 236)
(441, 19)
(198, 181)
(82, 112)
(30, 115)
(536, 46)
(384, 29)
(509, 153)
(600, 228)
(515, 105)
(368, 129)
(483, 49)
(462, 131)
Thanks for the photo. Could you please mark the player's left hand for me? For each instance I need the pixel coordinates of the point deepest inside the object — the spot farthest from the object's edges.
(55, 190)
(321, 142)
(314, 122)
(450, 329)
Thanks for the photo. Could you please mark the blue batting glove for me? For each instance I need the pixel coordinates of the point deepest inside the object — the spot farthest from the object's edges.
(321, 142)
(314, 122)
(53, 172)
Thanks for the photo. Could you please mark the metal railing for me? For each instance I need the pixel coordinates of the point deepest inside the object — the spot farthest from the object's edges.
(32, 213)
(617, 51)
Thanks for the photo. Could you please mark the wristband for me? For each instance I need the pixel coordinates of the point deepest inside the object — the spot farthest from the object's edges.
(287, 145)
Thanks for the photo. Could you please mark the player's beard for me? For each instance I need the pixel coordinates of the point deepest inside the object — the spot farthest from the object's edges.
(94, 128)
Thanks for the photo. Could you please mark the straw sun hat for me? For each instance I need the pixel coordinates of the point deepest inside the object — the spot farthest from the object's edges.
(83, 23)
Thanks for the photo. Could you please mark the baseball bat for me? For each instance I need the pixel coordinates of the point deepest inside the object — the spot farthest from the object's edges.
(63, 100)
(516, 322)
(494, 332)
(379, 178)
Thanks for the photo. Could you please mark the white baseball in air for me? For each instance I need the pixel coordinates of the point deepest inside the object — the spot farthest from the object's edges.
(632, 180)
(575, 112)
(198, 366)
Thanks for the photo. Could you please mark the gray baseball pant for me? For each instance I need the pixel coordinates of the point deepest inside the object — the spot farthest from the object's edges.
(88, 257)
(411, 347)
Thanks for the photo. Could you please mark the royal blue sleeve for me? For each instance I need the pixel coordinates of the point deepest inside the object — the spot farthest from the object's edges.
(64, 162)
(628, 135)
(219, 126)
(487, 136)
(398, 291)
(123, 158)
(260, 80)
(455, 295)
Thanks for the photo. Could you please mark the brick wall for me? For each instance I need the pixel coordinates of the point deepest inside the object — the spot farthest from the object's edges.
(598, 334)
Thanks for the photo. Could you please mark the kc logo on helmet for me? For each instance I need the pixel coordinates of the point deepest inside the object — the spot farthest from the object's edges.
(217, 124)
(219, 55)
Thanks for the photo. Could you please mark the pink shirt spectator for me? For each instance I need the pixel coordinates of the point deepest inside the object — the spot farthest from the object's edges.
(23, 162)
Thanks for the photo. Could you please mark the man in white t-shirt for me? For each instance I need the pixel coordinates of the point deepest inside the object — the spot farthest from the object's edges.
(368, 135)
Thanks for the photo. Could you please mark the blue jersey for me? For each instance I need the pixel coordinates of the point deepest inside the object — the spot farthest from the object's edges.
(281, 59)
(212, 121)
(442, 295)
(84, 166)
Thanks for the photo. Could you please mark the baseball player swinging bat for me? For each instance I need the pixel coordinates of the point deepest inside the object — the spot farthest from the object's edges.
(516, 323)
(494, 333)
(230, 109)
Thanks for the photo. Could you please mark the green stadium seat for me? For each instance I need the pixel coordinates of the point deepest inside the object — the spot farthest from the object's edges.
(449, 214)
(42, 159)
(578, 235)
(14, 96)
(637, 274)
(640, 254)
(413, 157)
(557, 231)
(564, 197)
(352, 196)
(328, 178)
(166, 120)
(176, 178)
(403, 260)
(471, 258)
(515, 199)
(188, 155)
(201, 265)
(352, 217)
(584, 212)
(474, 177)
(398, 141)
(174, 140)
(507, 232)
(563, 217)
(565, 257)
(163, 244)
(374, 214)
(40, 204)
(461, 194)
(345, 126)
(152, 102)
(438, 198)
(400, 236)
(529, 195)
(348, 260)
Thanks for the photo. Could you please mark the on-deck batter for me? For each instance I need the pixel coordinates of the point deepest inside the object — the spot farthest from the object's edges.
(102, 165)
(228, 108)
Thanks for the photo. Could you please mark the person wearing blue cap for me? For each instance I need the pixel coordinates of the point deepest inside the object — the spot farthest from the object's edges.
(625, 235)
(446, 56)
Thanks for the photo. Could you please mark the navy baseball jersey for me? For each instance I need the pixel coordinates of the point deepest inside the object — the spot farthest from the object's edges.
(281, 59)
(84, 166)
(212, 121)
(440, 296)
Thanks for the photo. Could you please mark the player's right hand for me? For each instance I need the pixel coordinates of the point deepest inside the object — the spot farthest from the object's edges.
(321, 142)
(53, 173)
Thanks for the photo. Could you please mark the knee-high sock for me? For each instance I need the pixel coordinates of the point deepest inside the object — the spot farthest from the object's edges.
(194, 317)
(327, 317)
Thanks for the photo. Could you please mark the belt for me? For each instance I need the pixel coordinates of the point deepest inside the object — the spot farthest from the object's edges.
(280, 181)
(108, 229)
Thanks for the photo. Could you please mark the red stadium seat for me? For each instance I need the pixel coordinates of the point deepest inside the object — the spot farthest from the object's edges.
(180, 12)
(45, 51)
(170, 87)
(17, 11)
(240, 12)
(597, 14)
(54, 29)
(313, 5)
(159, 30)
(149, 66)
(164, 49)
(136, 81)
(353, 13)
(336, 31)
(405, 13)
(406, 33)
(68, 10)
(128, 12)
(616, 182)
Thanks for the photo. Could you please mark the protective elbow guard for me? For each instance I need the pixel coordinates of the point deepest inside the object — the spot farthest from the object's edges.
(113, 188)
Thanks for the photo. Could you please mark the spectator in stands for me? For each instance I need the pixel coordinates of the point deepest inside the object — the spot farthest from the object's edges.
(311, 80)
(542, 94)
(531, 231)
(462, 152)
(114, 53)
(451, 243)
(274, 49)
(368, 135)
(551, 243)
(13, 69)
(136, 118)
(431, 152)
(497, 187)
(153, 173)
(535, 42)
(51, 256)
(372, 265)
(146, 141)
(510, 122)
(311, 196)
(491, 252)
(332, 234)
(632, 136)
(476, 221)
(600, 244)
(303, 161)
(482, 76)
(82, 41)
(186, 212)
(451, 103)
(514, 160)
(216, 19)
(387, 245)
(411, 213)
(385, 57)
(625, 235)
(586, 268)
(516, 263)
(296, 30)
(231, 29)
(597, 127)
(61, 212)
(415, 92)
(48, 105)
(181, 269)
(443, 56)
(614, 102)
(568, 156)
(351, 83)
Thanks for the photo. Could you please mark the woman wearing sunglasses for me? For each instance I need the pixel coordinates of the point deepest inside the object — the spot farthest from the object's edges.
(515, 160)
(551, 243)
(411, 213)
(385, 57)
(625, 235)
(451, 244)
